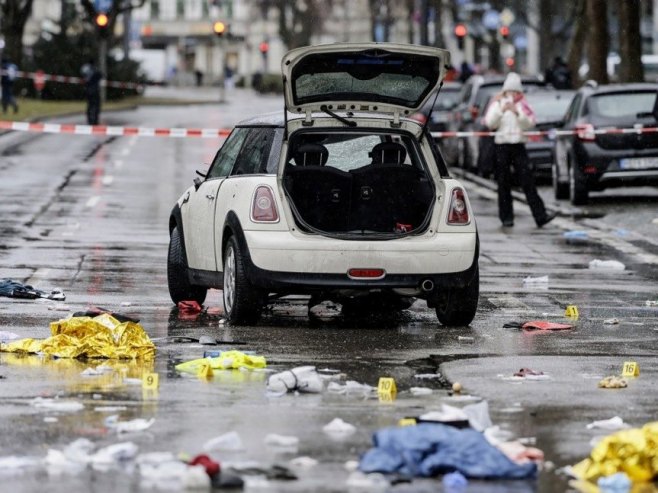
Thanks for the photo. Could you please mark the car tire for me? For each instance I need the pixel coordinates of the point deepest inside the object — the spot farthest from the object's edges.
(560, 189)
(578, 191)
(178, 279)
(456, 307)
(243, 303)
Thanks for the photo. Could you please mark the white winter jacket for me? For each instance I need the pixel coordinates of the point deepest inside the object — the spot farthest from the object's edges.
(509, 126)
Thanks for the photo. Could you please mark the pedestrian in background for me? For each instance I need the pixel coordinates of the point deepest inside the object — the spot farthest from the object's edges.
(92, 77)
(9, 73)
(510, 115)
(465, 71)
(559, 75)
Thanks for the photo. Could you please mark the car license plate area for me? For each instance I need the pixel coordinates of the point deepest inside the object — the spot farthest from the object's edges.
(638, 163)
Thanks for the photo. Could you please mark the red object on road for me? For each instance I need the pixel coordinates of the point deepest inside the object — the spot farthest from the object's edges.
(544, 325)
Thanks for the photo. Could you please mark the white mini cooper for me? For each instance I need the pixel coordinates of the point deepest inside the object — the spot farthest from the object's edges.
(342, 197)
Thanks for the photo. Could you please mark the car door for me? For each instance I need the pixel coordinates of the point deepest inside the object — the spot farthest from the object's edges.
(198, 211)
(252, 160)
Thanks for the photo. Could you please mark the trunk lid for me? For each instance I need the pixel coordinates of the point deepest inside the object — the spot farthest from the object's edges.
(363, 77)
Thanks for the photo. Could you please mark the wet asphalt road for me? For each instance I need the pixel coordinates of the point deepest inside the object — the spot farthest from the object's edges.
(89, 215)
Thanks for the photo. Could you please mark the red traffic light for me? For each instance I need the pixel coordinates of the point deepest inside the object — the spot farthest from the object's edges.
(219, 28)
(504, 32)
(264, 47)
(460, 30)
(102, 20)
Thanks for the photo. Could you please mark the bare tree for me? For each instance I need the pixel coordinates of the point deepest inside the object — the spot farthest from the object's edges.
(577, 42)
(299, 19)
(599, 40)
(630, 42)
(13, 16)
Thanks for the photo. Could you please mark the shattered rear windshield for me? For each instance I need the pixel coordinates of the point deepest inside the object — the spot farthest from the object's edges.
(375, 76)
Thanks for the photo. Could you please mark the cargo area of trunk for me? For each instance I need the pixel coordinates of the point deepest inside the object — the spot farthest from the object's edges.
(373, 199)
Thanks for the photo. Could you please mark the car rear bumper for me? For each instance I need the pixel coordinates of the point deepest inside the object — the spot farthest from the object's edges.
(604, 166)
(281, 261)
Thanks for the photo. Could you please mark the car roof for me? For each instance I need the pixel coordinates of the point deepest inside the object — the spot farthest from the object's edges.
(625, 87)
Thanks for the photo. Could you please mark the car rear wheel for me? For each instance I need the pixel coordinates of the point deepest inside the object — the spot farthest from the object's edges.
(180, 288)
(456, 307)
(560, 189)
(578, 191)
(243, 302)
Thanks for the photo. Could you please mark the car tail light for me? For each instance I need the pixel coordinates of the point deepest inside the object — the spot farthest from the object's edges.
(585, 132)
(263, 208)
(366, 273)
(536, 138)
(458, 212)
(474, 111)
(419, 117)
(590, 170)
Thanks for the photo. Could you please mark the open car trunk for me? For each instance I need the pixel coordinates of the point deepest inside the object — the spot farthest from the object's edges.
(355, 183)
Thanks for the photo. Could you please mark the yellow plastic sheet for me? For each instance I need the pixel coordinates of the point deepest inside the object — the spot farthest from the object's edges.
(102, 336)
(226, 361)
(634, 452)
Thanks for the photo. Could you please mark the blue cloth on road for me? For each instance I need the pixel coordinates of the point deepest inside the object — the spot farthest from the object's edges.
(426, 450)
(15, 289)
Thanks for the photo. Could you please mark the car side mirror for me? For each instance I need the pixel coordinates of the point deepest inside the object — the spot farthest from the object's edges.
(198, 181)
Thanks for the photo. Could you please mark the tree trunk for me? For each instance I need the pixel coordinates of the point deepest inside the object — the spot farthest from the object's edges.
(577, 42)
(411, 12)
(546, 41)
(630, 43)
(599, 40)
(13, 16)
(438, 17)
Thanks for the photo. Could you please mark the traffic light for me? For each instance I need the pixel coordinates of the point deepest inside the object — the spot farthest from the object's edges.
(102, 21)
(264, 47)
(504, 32)
(460, 32)
(219, 28)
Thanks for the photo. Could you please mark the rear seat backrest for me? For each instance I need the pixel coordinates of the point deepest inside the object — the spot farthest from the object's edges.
(388, 153)
(311, 155)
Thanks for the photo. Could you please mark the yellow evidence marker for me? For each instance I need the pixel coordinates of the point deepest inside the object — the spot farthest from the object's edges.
(150, 381)
(630, 369)
(571, 312)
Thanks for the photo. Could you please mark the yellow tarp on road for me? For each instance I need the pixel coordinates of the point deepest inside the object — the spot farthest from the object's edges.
(102, 336)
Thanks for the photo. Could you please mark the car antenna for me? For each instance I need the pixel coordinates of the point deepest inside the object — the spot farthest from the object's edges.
(429, 115)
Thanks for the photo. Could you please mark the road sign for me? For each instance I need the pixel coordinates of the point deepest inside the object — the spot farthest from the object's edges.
(102, 5)
(491, 19)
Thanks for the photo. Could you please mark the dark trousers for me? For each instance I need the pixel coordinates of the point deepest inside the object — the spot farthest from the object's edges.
(514, 156)
(93, 109)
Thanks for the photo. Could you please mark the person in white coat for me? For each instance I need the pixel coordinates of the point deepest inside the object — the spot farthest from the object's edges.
(510, 115)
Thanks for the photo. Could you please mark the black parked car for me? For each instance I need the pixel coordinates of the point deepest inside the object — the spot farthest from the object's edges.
(594, 157)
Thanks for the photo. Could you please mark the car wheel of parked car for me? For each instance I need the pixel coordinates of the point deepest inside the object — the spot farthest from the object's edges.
(180, 288)
(243, 302)
(560, 189)
(457, 306)
(578, 192)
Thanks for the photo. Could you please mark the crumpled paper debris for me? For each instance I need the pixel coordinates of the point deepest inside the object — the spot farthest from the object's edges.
(613, 382)
(634, 452)
(227, 360)
(102, 336)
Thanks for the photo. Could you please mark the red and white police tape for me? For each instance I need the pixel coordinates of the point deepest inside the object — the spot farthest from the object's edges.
(68, 128)
(213, 133)
(42, 77)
